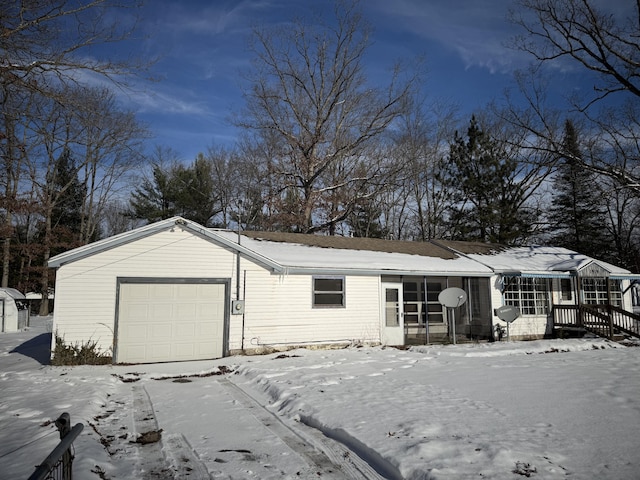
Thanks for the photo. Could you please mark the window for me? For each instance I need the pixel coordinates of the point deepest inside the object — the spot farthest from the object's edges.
(530, 295)
(328, 292)
(595, 291)
(566, 290)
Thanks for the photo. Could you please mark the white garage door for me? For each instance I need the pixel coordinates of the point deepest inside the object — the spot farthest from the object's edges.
(164, 322)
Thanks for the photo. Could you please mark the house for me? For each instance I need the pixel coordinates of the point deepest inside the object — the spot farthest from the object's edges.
(175, 290)
(14, 310)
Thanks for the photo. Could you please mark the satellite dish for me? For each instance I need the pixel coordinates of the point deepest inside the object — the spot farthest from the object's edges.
(507, 313)
(452, 297)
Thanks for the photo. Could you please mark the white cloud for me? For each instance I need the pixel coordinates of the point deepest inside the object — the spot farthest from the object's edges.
(477, 31)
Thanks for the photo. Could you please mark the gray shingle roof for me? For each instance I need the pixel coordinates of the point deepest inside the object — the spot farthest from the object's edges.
(439, 249)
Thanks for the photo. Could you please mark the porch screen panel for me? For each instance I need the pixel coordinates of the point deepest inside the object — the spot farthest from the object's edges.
(435, 310)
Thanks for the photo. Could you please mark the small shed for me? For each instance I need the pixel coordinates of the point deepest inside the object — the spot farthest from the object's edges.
(14, 310)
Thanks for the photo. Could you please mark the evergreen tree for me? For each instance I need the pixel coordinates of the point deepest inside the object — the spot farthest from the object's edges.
(178, 190)
(488, 191)
(67, 211)
(154, 199)
(364, 221)
(194, 191)
(577, 217)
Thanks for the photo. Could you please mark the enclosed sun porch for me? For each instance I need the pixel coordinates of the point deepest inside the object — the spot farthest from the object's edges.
(413, 314)
(590, 299)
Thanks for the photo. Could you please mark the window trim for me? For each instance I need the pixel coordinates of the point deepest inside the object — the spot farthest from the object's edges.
(341, 292)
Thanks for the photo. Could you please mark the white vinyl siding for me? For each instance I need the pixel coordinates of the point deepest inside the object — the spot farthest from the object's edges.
(279, 311)
(524, 327)
(278, 307)
(86, 289)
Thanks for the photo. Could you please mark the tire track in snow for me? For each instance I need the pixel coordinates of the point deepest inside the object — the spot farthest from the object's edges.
(180, 462)
(332, 458)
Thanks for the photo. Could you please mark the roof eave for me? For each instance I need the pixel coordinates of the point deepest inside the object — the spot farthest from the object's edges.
(297, 270)
(147, 230)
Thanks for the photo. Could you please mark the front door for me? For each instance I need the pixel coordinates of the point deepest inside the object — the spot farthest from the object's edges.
(392, 314)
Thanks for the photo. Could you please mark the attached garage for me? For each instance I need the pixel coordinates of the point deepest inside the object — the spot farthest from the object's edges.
(161, 293)
(163, 320)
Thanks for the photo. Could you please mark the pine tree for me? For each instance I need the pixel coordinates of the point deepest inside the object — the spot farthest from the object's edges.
(154, 199)
(488, 193)
(67, 211)
(364, 221)
(577, 219)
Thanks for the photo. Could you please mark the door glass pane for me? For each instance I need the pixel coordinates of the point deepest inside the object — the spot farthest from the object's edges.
(392, 317)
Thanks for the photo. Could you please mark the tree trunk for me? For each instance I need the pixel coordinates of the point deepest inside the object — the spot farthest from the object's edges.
(44, 279)
(6, 253)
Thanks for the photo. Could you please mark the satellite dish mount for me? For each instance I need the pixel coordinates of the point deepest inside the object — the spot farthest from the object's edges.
(452, 298)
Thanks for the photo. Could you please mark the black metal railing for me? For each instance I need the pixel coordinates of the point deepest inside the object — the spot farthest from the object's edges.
(59, 463)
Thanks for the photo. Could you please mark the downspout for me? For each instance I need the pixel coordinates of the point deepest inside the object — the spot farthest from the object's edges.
(238, 286)
(244, 293)
(238, 266)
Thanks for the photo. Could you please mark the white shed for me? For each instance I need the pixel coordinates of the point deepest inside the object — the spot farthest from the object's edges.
(14, 310)
(175, 290)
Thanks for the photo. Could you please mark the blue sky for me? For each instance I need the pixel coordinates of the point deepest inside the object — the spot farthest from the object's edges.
(201, 49)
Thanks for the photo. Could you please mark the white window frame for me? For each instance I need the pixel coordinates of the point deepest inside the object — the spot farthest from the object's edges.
(529, 294)
(594, 291)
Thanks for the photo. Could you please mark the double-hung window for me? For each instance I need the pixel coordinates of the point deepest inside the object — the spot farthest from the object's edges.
(529, 295)
(328, 292)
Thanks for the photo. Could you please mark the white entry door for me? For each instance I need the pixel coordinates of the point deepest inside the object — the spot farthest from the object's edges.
(165, 322)
(392, 314)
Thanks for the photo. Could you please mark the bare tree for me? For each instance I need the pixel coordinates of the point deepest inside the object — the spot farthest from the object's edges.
(605, 42)
(116, 218)
(13, 150)
(421, 143)
(600, 41)
(109, 148)
(37, 52)
(43, 45)
(309, 91)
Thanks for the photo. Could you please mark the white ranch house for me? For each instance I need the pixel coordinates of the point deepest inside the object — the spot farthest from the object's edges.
(175, 290)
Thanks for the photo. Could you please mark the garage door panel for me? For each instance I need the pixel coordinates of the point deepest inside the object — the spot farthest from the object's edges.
(188, 291)
(186, 310)
(209, 329)
(160, 332)
(135, 311)
(168, 322)
(186, 330)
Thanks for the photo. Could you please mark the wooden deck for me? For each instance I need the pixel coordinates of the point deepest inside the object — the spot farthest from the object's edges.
(605, 320)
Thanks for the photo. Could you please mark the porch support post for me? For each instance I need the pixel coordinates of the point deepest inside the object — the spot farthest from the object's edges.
(426, 311)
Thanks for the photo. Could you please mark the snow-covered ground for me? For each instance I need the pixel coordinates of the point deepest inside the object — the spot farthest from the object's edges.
(545, 409)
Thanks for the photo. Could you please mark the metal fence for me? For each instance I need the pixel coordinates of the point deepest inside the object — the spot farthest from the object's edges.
(59, 464)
